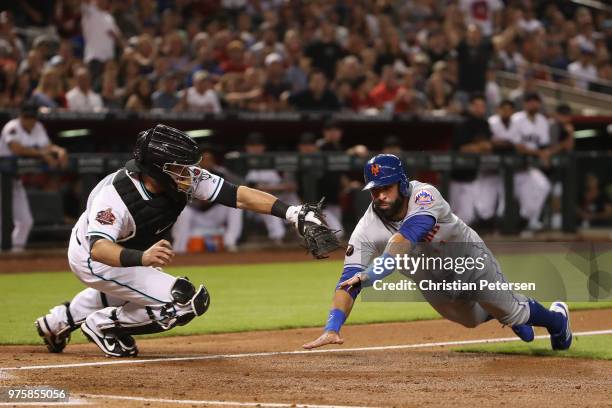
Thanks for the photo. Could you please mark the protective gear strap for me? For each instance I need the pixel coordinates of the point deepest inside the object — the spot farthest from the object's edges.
(69, 317)
(279, 209)
(130, 257)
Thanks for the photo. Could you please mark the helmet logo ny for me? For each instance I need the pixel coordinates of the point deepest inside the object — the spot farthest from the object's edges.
(375, 169)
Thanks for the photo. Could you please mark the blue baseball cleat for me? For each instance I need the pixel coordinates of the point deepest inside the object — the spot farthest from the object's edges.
(524, 332)
(563, 339)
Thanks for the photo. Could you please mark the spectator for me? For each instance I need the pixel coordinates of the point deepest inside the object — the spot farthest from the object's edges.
(201, 97)
(166, 97)
(474, 53)
(175, 48)
(532, 139)
(48, 93)
(361, 99)
(485, 14)
(583, 70)
(385, 92)
(68, 18)
(472, 136)
(100, 32)
(140, 99)
(276, 83)
(297, 64)
(316, 97)
(111, 97)
(438, 88)
(27, 137)
(325, 52)
(604, 74)
(205, 61)
(82, 97)
(408, 99)
(268, 44)
(9, 40)
(235, 62)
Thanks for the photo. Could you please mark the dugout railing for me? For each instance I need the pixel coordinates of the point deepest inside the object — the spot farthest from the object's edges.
(310, 167)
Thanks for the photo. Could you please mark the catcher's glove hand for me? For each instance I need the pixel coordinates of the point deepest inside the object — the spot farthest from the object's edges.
(319, 239)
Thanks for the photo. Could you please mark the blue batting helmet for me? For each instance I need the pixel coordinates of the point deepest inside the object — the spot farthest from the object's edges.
(383, 170)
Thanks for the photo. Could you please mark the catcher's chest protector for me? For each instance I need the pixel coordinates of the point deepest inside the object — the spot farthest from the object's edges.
(154, 218)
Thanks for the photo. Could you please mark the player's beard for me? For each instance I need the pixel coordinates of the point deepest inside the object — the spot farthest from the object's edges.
(392, 212)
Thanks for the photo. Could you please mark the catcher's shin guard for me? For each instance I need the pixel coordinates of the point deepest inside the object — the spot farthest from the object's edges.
(188, 303)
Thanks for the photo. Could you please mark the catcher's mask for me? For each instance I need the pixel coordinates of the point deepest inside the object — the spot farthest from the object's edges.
(170, 157)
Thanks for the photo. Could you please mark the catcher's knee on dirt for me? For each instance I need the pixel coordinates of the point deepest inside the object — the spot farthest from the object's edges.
(186, 305)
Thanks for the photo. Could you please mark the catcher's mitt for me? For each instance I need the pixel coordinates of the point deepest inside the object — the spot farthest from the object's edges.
(319, 239)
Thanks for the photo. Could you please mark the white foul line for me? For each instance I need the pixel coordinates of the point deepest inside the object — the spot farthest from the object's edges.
(220, 403)
(289, 353)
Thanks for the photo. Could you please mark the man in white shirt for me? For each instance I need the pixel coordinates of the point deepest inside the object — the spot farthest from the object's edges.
(82, 97)
(583, 70)
(484, 13)
(201, 97)
(532, 138)
(25, 136)
(100, 32)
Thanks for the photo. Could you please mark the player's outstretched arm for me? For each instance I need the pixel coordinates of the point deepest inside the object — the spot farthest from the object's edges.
(307, 218)
(251, 199)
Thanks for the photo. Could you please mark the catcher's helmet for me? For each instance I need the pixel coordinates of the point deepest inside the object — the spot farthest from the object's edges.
(383, 170)
(160, 146)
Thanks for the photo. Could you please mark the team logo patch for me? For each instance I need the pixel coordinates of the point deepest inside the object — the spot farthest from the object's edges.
(349, 250)
(105, 217)
(424, 199)
(375, 169)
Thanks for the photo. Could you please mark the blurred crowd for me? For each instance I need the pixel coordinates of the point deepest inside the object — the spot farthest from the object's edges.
(275, 55)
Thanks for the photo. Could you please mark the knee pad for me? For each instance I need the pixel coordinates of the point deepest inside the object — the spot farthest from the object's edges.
(184, 294)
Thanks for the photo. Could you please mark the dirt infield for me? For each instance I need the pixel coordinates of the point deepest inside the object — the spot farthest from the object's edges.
(419, 375)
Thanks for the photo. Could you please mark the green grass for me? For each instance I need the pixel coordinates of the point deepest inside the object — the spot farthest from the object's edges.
(244, 298)
(593, 347)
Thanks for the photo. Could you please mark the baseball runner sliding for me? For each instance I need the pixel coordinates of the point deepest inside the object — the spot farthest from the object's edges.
(405, 213)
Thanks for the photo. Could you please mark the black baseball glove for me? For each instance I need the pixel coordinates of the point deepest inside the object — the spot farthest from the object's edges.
(319, 239)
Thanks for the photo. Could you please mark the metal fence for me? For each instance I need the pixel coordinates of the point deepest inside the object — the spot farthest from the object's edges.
(311, 167)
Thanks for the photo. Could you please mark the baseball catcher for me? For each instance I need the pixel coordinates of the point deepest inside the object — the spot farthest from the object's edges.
(121, 242)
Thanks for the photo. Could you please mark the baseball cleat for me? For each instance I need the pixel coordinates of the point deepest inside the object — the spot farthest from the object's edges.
(563, 339)
(54, 343)
(111, 346)
(524, 332)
